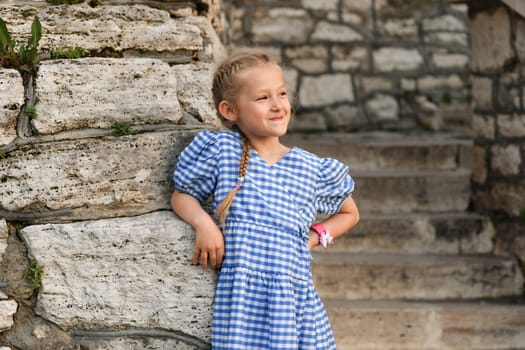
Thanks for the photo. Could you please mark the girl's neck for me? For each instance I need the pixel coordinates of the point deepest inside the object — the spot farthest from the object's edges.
(270, 150)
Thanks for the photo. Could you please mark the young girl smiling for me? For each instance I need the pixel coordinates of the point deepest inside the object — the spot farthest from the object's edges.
(266, 197)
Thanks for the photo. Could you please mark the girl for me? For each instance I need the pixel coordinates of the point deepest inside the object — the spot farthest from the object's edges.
(266, 197)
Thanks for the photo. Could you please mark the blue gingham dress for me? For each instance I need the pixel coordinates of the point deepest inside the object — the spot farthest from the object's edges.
(265, 297)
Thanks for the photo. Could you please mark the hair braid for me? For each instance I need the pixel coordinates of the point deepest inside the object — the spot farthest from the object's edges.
(224, 207)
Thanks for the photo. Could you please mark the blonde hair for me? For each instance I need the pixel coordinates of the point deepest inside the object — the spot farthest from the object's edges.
(224, 88)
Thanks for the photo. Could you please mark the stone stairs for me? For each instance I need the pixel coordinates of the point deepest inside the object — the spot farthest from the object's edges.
(418, 272)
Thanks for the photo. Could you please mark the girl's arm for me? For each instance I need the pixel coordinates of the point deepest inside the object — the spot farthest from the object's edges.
(340, 223)
(209, 241)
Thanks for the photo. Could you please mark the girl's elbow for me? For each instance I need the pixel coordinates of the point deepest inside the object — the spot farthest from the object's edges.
(357, 217)
(355, 214)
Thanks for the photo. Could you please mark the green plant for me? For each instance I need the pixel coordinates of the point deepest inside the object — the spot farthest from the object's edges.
(21, 57)
(31, 112)
(161, 7)
(123, 128)
(3, 154)
(446, 99)
(74, 52)
(34, 272)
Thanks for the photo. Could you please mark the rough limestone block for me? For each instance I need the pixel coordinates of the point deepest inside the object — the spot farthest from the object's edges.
(490, 40)
(194, 91)
(511, 125)
(127, 272)
(268, 24)
(383, 107)
(457, 233)
(98, 92)
(415, 277)
(111, 176)
(326, 89)
(7, 310)
(426, 326)
(11, 101)
(4, 234)
(389, 59)
(140, 341)
(326, 31)
(505, 196)
(128, 27)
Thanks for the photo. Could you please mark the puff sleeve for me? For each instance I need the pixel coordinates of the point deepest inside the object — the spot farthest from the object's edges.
(334, 186)
(196, 171)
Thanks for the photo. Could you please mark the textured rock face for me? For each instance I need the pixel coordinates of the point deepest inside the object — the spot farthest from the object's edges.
(127, 273)
(11, 101)
(499, 117)
(93, 178)
(120, 28)
(124, 283)
(99, 92)
(7, 310)
(194, 92)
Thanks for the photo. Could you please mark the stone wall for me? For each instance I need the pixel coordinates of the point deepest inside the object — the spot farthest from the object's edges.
(367, 64)
(498, 61)
(87, 149)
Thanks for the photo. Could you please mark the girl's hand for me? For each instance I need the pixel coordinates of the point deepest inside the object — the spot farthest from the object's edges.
(313, 241)
(209, 242)
(209, 245)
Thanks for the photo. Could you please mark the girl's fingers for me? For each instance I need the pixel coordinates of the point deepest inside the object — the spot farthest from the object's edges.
(195, 259)
(204, 259)
(220, 257)
(213, 259)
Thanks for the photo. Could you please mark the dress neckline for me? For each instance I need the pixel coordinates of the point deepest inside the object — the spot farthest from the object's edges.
(278, 161)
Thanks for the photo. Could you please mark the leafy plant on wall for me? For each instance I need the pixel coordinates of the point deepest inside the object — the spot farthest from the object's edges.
(18, 56)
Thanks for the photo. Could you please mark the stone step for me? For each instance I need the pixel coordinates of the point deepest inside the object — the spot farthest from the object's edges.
(411, 277)
(398, 325)
(404, 191)
(426, 233)
(389, 150)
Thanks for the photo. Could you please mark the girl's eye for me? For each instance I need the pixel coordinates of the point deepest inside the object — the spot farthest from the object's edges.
(284, 93)
(262, 98)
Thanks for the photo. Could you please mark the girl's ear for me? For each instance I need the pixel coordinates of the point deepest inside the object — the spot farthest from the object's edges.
(227, 110)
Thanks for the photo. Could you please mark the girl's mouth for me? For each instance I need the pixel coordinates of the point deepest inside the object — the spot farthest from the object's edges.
(278, 118)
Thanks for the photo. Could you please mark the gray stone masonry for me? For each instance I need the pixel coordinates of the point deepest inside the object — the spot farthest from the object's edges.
(498, 54)
(370, 59)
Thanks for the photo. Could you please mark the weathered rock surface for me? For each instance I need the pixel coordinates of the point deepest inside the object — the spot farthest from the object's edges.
(99, 92)
(126, 273)
(7, 310)
(136, 28)
(4, 233)
(194, 91)
(11, 102)
(415, 277)
(443, 233)
(426, 326)
(93, 178)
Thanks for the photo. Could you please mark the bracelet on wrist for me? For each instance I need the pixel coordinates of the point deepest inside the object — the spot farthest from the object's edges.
(325, 238)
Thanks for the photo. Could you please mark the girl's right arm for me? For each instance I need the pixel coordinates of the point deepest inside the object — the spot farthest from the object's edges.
(209, 241)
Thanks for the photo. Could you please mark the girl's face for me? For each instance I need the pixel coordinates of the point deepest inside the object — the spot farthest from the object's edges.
(261, 108)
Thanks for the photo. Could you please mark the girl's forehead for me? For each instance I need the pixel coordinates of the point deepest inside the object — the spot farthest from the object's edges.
(261, 75)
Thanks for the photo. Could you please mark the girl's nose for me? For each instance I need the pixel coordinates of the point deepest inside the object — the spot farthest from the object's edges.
(277, 104)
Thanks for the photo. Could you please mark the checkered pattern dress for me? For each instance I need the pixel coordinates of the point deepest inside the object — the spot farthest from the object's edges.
(265, 297)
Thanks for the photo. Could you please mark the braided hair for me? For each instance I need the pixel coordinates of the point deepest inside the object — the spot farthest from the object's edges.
(224, 88)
